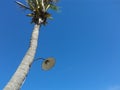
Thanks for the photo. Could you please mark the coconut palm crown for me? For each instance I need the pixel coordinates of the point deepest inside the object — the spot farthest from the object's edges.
(39, 9)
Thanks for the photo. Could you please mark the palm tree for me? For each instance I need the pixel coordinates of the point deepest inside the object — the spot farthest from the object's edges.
(39, 14)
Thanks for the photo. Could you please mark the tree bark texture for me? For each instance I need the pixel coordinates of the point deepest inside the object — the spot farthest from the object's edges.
(19, 76)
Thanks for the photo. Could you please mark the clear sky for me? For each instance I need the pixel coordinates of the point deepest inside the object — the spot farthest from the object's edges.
(84, 38)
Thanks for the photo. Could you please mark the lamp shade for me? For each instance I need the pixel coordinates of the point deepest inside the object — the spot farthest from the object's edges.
(48, 63)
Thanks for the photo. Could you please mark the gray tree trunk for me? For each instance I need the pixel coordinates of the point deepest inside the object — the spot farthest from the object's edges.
(19, 76)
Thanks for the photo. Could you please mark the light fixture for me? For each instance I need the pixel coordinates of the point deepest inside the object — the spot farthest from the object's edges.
(48, 63)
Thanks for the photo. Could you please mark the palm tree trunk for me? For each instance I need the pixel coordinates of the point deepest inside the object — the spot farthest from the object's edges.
(19, 76)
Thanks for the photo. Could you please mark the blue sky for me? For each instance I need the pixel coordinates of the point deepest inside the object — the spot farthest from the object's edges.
(84, 38)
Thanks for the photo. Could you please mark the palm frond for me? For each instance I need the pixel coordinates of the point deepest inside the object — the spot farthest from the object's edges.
(53, 7)
(47, 7)
(22, 5)
(37, 3)
(30, 15)
(31, 5)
